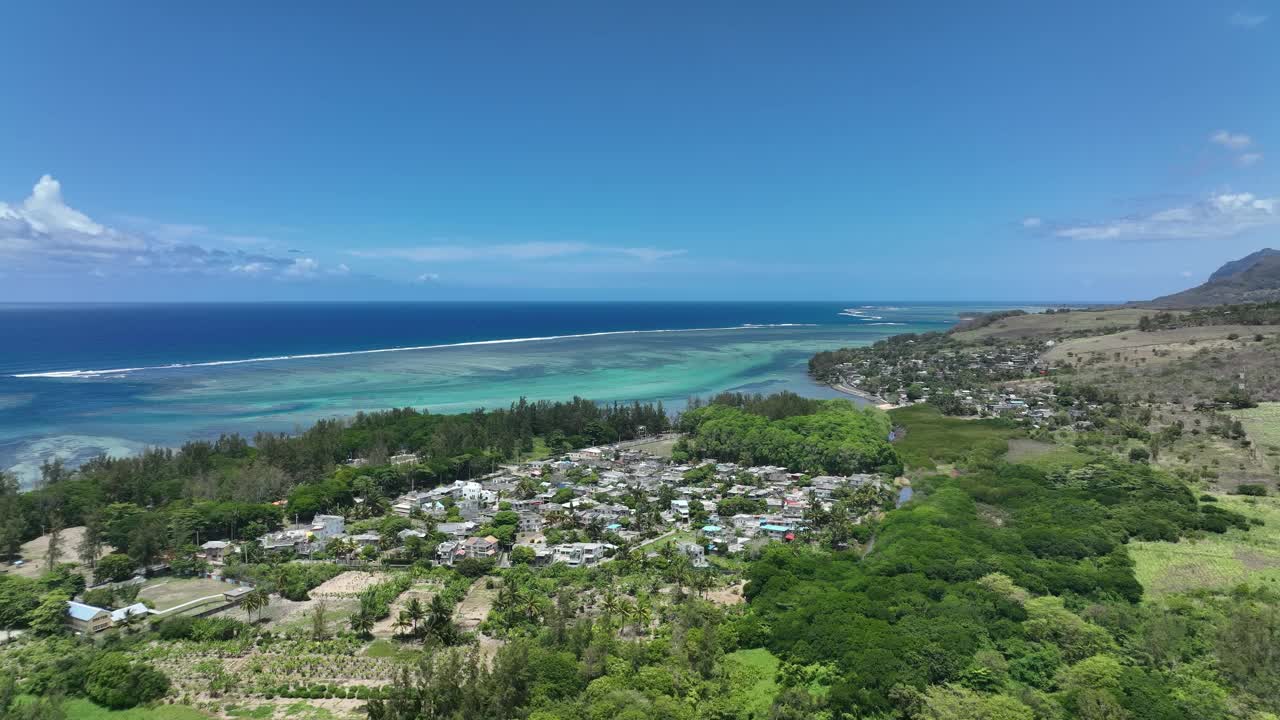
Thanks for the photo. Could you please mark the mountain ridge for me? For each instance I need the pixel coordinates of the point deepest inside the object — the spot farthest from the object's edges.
(1252, 278)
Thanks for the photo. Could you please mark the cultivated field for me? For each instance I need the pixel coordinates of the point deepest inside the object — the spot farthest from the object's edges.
(1217, 561)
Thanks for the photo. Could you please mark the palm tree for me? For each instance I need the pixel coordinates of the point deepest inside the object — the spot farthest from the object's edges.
(643, 615)
(362, 624)
(400, 624)
(530, 606)
(611, 606)
(440, 621)
(702, 581)
(678, 571)
(280, 578)
(255, 601)
(415, 612)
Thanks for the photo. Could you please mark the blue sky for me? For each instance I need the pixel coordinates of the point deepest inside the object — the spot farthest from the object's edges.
(247, 151)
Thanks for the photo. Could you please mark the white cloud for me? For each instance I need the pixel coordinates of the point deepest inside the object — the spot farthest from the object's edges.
(43, 233)
(531, 251)
(303, 267)
(253, 268)
(1248, 159)
(1216, 216)
(1186, 273)
(43, 223)
(1230, 140)
(1244, 19)
(1032, 222)
(425, 278)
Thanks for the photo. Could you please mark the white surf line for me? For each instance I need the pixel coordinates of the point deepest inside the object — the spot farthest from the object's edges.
(313, 356)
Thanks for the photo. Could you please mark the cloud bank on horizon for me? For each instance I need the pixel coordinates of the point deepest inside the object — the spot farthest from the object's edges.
(43, 234)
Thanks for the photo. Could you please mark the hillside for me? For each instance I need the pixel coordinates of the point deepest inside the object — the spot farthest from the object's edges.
(1253, 278)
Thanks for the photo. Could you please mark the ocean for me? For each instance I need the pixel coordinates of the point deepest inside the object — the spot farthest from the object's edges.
(80, 380)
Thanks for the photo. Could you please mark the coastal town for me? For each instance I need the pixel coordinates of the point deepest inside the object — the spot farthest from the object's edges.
(995, 379)
(578, 510)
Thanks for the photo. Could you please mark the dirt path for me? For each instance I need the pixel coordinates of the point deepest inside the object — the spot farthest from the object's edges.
(475, 607)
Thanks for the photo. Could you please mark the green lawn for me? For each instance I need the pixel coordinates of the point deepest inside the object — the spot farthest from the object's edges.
(754, 674)
(934, 439)
(1217, 561)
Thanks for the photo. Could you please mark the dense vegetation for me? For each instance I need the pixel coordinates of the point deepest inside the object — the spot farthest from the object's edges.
(1242, 314)
(832, 437)
(1008, 592)
(162, 500)
(929, 439)
(1000, 591)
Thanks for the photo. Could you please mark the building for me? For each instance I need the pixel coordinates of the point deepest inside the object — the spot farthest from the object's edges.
(87, 619)
(215, 551)
(580, 554)
(404, 459)
(325, 527)
(447, 552)
(136, 610)
(481, 547)
(530, 522)
(696, 553)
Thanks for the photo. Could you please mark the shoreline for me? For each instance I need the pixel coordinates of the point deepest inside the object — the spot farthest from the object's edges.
(876, 400)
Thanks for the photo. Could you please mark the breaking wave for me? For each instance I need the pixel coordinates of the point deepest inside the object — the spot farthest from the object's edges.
(121, 372)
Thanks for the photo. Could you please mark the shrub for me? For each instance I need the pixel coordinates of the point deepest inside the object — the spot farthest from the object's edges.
(1254, 489)
(176, 628)
(114, 682)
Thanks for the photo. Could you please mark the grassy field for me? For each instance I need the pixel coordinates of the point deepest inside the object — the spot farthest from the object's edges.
(1057, 323)
(661, 448)
(1044, 455)
(81, 709)
(933, 439)
(1150, 348)
(1262, 424)
(1217, 561)
(757, 669)
(170, 592)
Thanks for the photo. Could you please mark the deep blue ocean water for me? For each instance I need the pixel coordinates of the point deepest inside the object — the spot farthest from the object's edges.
(77, 380)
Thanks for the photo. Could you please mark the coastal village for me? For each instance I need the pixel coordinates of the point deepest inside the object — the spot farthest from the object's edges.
(578, 510)
(597, 494)
(996, 380)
